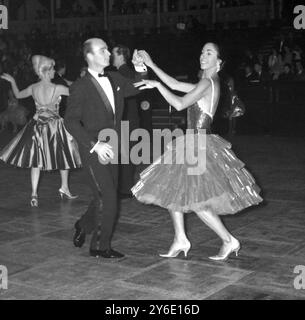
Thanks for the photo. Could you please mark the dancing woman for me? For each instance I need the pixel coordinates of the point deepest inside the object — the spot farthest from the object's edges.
(224, 187)
(44, 143)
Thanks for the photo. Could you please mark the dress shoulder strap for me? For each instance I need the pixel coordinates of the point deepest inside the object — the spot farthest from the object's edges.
(213, 94)
(36, 100)
(212, 98)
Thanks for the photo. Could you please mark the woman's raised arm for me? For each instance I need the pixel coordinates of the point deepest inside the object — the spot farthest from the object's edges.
(164, 77)
(18, 94)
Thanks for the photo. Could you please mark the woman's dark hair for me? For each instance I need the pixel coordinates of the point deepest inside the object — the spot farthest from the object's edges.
(60, 64)
(220, 53)
(123, 50)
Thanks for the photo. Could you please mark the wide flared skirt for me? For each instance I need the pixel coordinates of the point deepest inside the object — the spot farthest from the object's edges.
(219, 182)
(46, 145)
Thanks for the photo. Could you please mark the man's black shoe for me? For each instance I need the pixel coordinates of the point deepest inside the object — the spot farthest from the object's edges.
(108, 254)
(79, 236)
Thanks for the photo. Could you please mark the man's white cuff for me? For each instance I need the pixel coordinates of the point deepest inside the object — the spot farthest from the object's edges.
(94, 147)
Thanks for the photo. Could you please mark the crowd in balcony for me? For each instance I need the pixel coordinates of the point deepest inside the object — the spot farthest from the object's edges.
(283, 62)
(233, 3)
(76, 11)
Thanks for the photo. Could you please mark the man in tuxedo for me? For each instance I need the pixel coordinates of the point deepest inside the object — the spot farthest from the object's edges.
(96, 103)
(249, 75)
(120, 58)
(60, 71)
(260, 75)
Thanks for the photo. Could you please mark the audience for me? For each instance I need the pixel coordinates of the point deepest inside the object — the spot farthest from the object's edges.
(258, 64)
(299, 72)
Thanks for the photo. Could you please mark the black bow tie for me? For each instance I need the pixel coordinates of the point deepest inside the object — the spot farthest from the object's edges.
(102, 75)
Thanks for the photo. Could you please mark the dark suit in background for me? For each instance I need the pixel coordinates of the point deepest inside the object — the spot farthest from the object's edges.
(58, 79)
(130, 114)
(4, 89)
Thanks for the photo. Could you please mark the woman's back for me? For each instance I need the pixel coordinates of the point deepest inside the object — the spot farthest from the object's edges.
(44, 94)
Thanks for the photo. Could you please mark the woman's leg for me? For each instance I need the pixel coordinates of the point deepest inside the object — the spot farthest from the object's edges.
(35, 174)
(64, 189)
(64, 174)
(180, 243)
(213, 221)
(178, 222)
(230, 243)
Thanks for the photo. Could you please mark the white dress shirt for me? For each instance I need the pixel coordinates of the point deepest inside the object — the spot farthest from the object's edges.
(106, 85)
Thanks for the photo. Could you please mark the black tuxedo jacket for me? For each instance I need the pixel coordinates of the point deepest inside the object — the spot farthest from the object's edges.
(89, 111)
(59, 80)
(131, 109)
(63, 104)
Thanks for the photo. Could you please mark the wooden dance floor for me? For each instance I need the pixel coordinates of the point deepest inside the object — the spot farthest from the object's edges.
(36, 244)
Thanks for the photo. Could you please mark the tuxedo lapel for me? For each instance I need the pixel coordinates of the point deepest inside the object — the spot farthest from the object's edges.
(115, 91)
(103, 97)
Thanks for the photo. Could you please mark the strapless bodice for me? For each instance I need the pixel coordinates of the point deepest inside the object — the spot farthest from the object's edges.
(200, 113)
(198, 118)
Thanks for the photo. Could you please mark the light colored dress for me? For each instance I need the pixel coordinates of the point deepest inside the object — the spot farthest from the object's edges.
(220, 183)
(44, 142)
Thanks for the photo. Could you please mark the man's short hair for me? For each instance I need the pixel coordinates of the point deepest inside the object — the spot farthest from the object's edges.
(87, 48)
(60, 64)
(123, 50)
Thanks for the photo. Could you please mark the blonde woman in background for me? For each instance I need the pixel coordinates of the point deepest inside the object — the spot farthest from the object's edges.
(44, 143)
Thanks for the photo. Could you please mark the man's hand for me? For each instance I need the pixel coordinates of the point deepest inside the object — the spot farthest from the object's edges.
(146, 84)
(7, 77)
(136, 59)
(145, 57)
(138, 62)
(104, 151)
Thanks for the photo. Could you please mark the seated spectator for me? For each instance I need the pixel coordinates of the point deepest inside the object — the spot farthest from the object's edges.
(249, 57)
(299, 72)
(297, 53)
(275, 64)
(262, 61)
(260, 75)
(249, 75)
(287, 55)
(287, 74)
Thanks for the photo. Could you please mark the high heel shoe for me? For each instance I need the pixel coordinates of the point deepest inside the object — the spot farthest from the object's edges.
(226, 250)
(176, 249)
(66, 195)
(34, 201)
